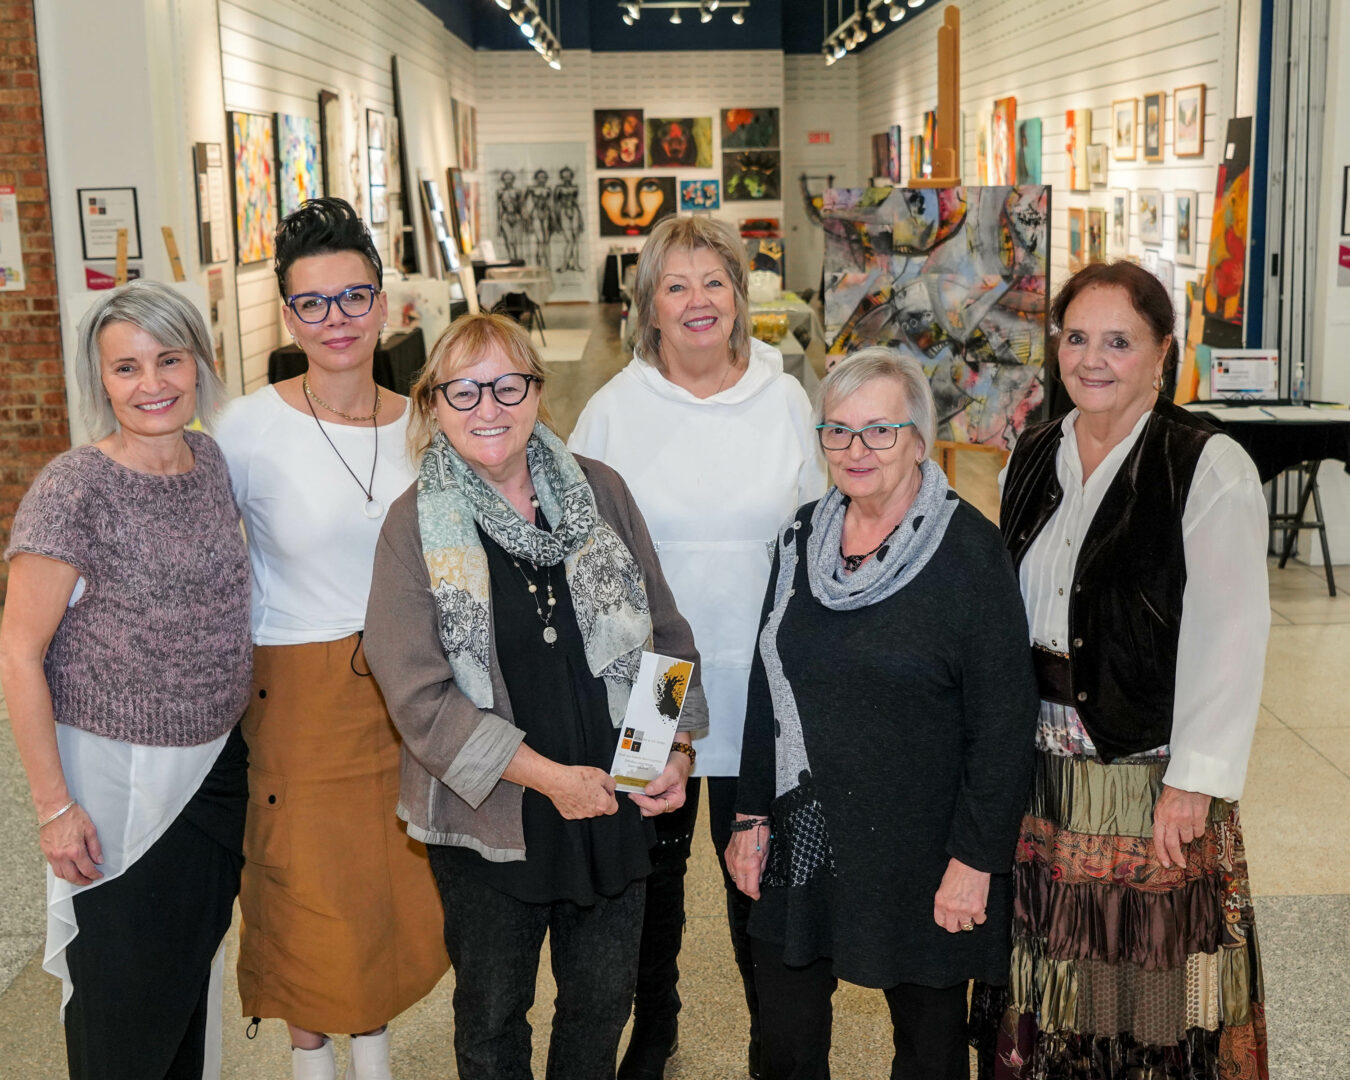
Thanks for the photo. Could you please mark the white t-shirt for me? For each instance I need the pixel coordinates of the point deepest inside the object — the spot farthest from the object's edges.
(311, 544)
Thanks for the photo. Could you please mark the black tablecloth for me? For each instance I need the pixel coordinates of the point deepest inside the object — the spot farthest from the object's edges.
(398, 360)
(1276, 445)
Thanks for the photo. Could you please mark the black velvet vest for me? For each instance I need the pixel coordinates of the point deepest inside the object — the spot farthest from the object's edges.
(1125, 610)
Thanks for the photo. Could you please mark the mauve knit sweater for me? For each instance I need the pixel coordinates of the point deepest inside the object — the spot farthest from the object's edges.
(157, 651)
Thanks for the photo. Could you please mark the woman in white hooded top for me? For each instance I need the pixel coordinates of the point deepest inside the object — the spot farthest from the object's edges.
(716, 443)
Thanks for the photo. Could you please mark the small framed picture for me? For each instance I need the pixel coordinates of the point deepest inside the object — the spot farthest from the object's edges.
(1187, 208)
(1096, 233)
(1120, 221)
(1097, 164)
(1077, 238)
(1122, 129)
(1150, 215)
(1153, 125)
(1188, 121)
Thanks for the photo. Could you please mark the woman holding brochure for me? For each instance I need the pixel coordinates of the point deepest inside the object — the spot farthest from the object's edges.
(515, 591)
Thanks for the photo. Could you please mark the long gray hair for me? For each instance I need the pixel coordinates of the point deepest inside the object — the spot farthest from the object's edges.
(167, 316)
(848, 376)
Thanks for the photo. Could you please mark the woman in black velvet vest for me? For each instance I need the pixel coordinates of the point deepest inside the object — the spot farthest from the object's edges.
(1139, 537)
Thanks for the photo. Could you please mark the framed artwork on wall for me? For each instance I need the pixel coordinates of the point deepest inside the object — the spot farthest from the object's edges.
(750, 129)
(460, 211)
(1096, 234)
(1188, 121)
(916, 156)
(1002, 144)
(1153, 126)
(1096, 156)
(535, 209)
(619, 139)
(377, 164)
(982, 167)
(631, 205)
(1029, 152)
(700, 195)
(752, 174)
(1187, 209)
(1123, 114)
(1077, 137)
(929, 141)
(465, 119)
(299, 158)
(893, 145)
(679, 141)
(1077, 238)
(330, 136)
(1150, 215)
(881, 155)
(253, 157)
(1120, 221)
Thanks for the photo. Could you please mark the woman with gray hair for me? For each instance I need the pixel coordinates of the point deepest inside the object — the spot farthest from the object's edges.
(125, 659)
(887, 740)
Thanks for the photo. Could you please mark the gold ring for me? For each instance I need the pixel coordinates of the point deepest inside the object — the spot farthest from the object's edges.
(666, 803)
(968, 926)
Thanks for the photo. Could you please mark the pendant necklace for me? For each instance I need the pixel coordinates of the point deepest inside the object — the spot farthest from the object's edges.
(852, 562)
(373, 508)
(550, 633)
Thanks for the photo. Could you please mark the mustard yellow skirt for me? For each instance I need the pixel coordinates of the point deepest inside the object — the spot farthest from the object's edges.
(342, 923)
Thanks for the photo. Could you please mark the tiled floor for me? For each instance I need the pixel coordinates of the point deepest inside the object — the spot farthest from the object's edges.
(1296, 813)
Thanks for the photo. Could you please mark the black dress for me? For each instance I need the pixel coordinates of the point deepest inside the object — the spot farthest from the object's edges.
(564, 712)
(918, 715)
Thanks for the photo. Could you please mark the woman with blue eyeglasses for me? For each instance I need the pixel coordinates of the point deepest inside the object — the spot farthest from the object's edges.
(341, 922)
(887, 748)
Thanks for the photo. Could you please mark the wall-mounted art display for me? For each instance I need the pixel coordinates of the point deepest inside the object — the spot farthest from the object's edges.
(1120, 221)
(881, 153)
(916, 156)
(1188, 120)
(442, 229)
(700, 195)
(252, 146)
(334, 154)
(1077, 138)
(1028, 152)
(1123, 113)
(1077, 238)
(1002, 141)
(929, 141)
(1153, 126)
(377, 167)
(1187, 209)
(1096, 234)
(750, 129)
(957, 275)
(765, 254)
(1226, 268)
(1096, 162)
(678, 141)
(213, 227)
(752, 174)
(298, 159)
(1150, 203)
(631, 205)
(893, 154)
(460, 210)
(104, 212)
(760, 226)
(535, 210)
(620, 141)
(465, 118)
(982, 167)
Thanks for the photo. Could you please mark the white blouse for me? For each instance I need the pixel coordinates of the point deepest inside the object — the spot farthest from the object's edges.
(1225, 617)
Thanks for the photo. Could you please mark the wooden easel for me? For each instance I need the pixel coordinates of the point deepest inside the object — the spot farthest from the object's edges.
(946, 151)
(945, 451)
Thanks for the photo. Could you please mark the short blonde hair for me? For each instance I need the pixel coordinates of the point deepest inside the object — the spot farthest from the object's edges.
(849, 376)
(462, 343)
(688, 233)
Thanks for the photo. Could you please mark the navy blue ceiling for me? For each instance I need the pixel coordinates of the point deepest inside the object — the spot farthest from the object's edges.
(794, 26)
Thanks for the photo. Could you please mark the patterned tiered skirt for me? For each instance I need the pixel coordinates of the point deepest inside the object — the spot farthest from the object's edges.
(1122, 969)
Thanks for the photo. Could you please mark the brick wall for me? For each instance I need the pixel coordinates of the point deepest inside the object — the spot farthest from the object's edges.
(33, 422)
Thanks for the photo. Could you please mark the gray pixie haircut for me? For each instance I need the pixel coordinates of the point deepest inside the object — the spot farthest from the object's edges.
(849, 376)
(688, 233)
(167, 316)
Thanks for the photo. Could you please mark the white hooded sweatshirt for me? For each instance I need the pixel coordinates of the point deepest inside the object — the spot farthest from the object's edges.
(714, 478)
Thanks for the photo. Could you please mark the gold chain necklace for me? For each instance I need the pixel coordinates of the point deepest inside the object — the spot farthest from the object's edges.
(309, 391)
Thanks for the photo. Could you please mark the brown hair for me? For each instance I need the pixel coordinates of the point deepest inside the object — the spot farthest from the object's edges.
(1148, 296)
(688, 233)
(462, 343)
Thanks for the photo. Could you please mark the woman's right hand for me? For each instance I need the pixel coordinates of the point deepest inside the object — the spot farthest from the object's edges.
(580, 791)
(71, 846)
(747, 855)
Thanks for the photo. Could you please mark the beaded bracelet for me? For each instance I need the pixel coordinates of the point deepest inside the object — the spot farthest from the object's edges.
(748, 824)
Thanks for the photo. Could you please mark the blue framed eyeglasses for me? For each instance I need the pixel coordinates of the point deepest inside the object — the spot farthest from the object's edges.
(509, 389)
(874, 436)
(313, 307)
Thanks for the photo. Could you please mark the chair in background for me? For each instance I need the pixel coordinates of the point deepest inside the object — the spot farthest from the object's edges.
(525, 311)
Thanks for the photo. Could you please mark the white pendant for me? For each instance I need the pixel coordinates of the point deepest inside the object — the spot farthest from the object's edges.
(550, 635)
(374, 508)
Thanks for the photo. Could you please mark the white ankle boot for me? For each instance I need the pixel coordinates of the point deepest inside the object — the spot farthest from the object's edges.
(369, 1057)
(314, 1064)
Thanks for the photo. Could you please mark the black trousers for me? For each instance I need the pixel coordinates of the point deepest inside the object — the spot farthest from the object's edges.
(796, 1017)
(140, 966)
(658, 1000)
(494, 942)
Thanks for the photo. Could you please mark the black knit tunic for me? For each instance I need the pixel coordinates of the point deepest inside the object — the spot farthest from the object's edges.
(918, 715)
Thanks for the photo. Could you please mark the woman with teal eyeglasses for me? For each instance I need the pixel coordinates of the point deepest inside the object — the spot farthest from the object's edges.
(887, 748)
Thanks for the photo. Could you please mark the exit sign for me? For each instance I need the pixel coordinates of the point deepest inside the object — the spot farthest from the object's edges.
(817, 136)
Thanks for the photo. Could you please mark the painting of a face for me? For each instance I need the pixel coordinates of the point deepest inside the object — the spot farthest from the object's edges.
(685, 140)
(618, 139)
(631, 205)
(752, 174)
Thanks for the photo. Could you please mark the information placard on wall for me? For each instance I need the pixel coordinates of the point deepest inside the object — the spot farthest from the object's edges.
(213, 216)
(11, 254)
(103, 211)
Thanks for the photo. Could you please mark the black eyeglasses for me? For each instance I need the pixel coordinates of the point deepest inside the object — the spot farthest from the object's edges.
(509, 389)
(313, 307)
(874, 436)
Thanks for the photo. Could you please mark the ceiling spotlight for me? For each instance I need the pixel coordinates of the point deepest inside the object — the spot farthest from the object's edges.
(553, 62)
(738, 17)
(838, 50)
(675, 16)
(505, 5)
(628, 19)
(528, 28)
(878, 24)
(897, 13)
(518, 14)
(915, 3)
(635, 10)
(712, 4)
(704, 15)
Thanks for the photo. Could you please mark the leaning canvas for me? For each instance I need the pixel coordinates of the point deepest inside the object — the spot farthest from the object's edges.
(958, 276)
(300, 164)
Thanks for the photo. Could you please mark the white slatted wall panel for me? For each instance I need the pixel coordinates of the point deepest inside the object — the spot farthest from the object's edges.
(276, 55)
(1056, 55)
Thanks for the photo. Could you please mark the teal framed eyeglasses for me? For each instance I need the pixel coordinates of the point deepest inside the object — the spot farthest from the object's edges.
(874, 436)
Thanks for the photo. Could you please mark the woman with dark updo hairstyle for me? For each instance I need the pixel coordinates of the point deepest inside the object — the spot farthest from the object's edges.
(341, 918)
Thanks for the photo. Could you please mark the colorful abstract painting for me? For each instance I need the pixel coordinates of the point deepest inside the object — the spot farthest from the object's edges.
(252, 146)
(619, 139)
(700, 195)
(465, 119)
(1153, 126)
(301, 168)
(916, 157)
(752, 174)
(958, 276)
(673, 142)
(749, 129)
(1029, 152)
(1226, 268)
(1077, 231)
(1077, 136)
(1096, 234)
(459, 206)
(929, 141)
(1002, 144)
(893, 144)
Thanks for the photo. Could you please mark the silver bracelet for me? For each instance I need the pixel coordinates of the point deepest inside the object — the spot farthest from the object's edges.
(64, 809)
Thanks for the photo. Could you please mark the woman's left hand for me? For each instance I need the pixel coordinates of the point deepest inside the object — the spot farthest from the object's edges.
(666, 793)
(1178, 818)
(960, 900)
